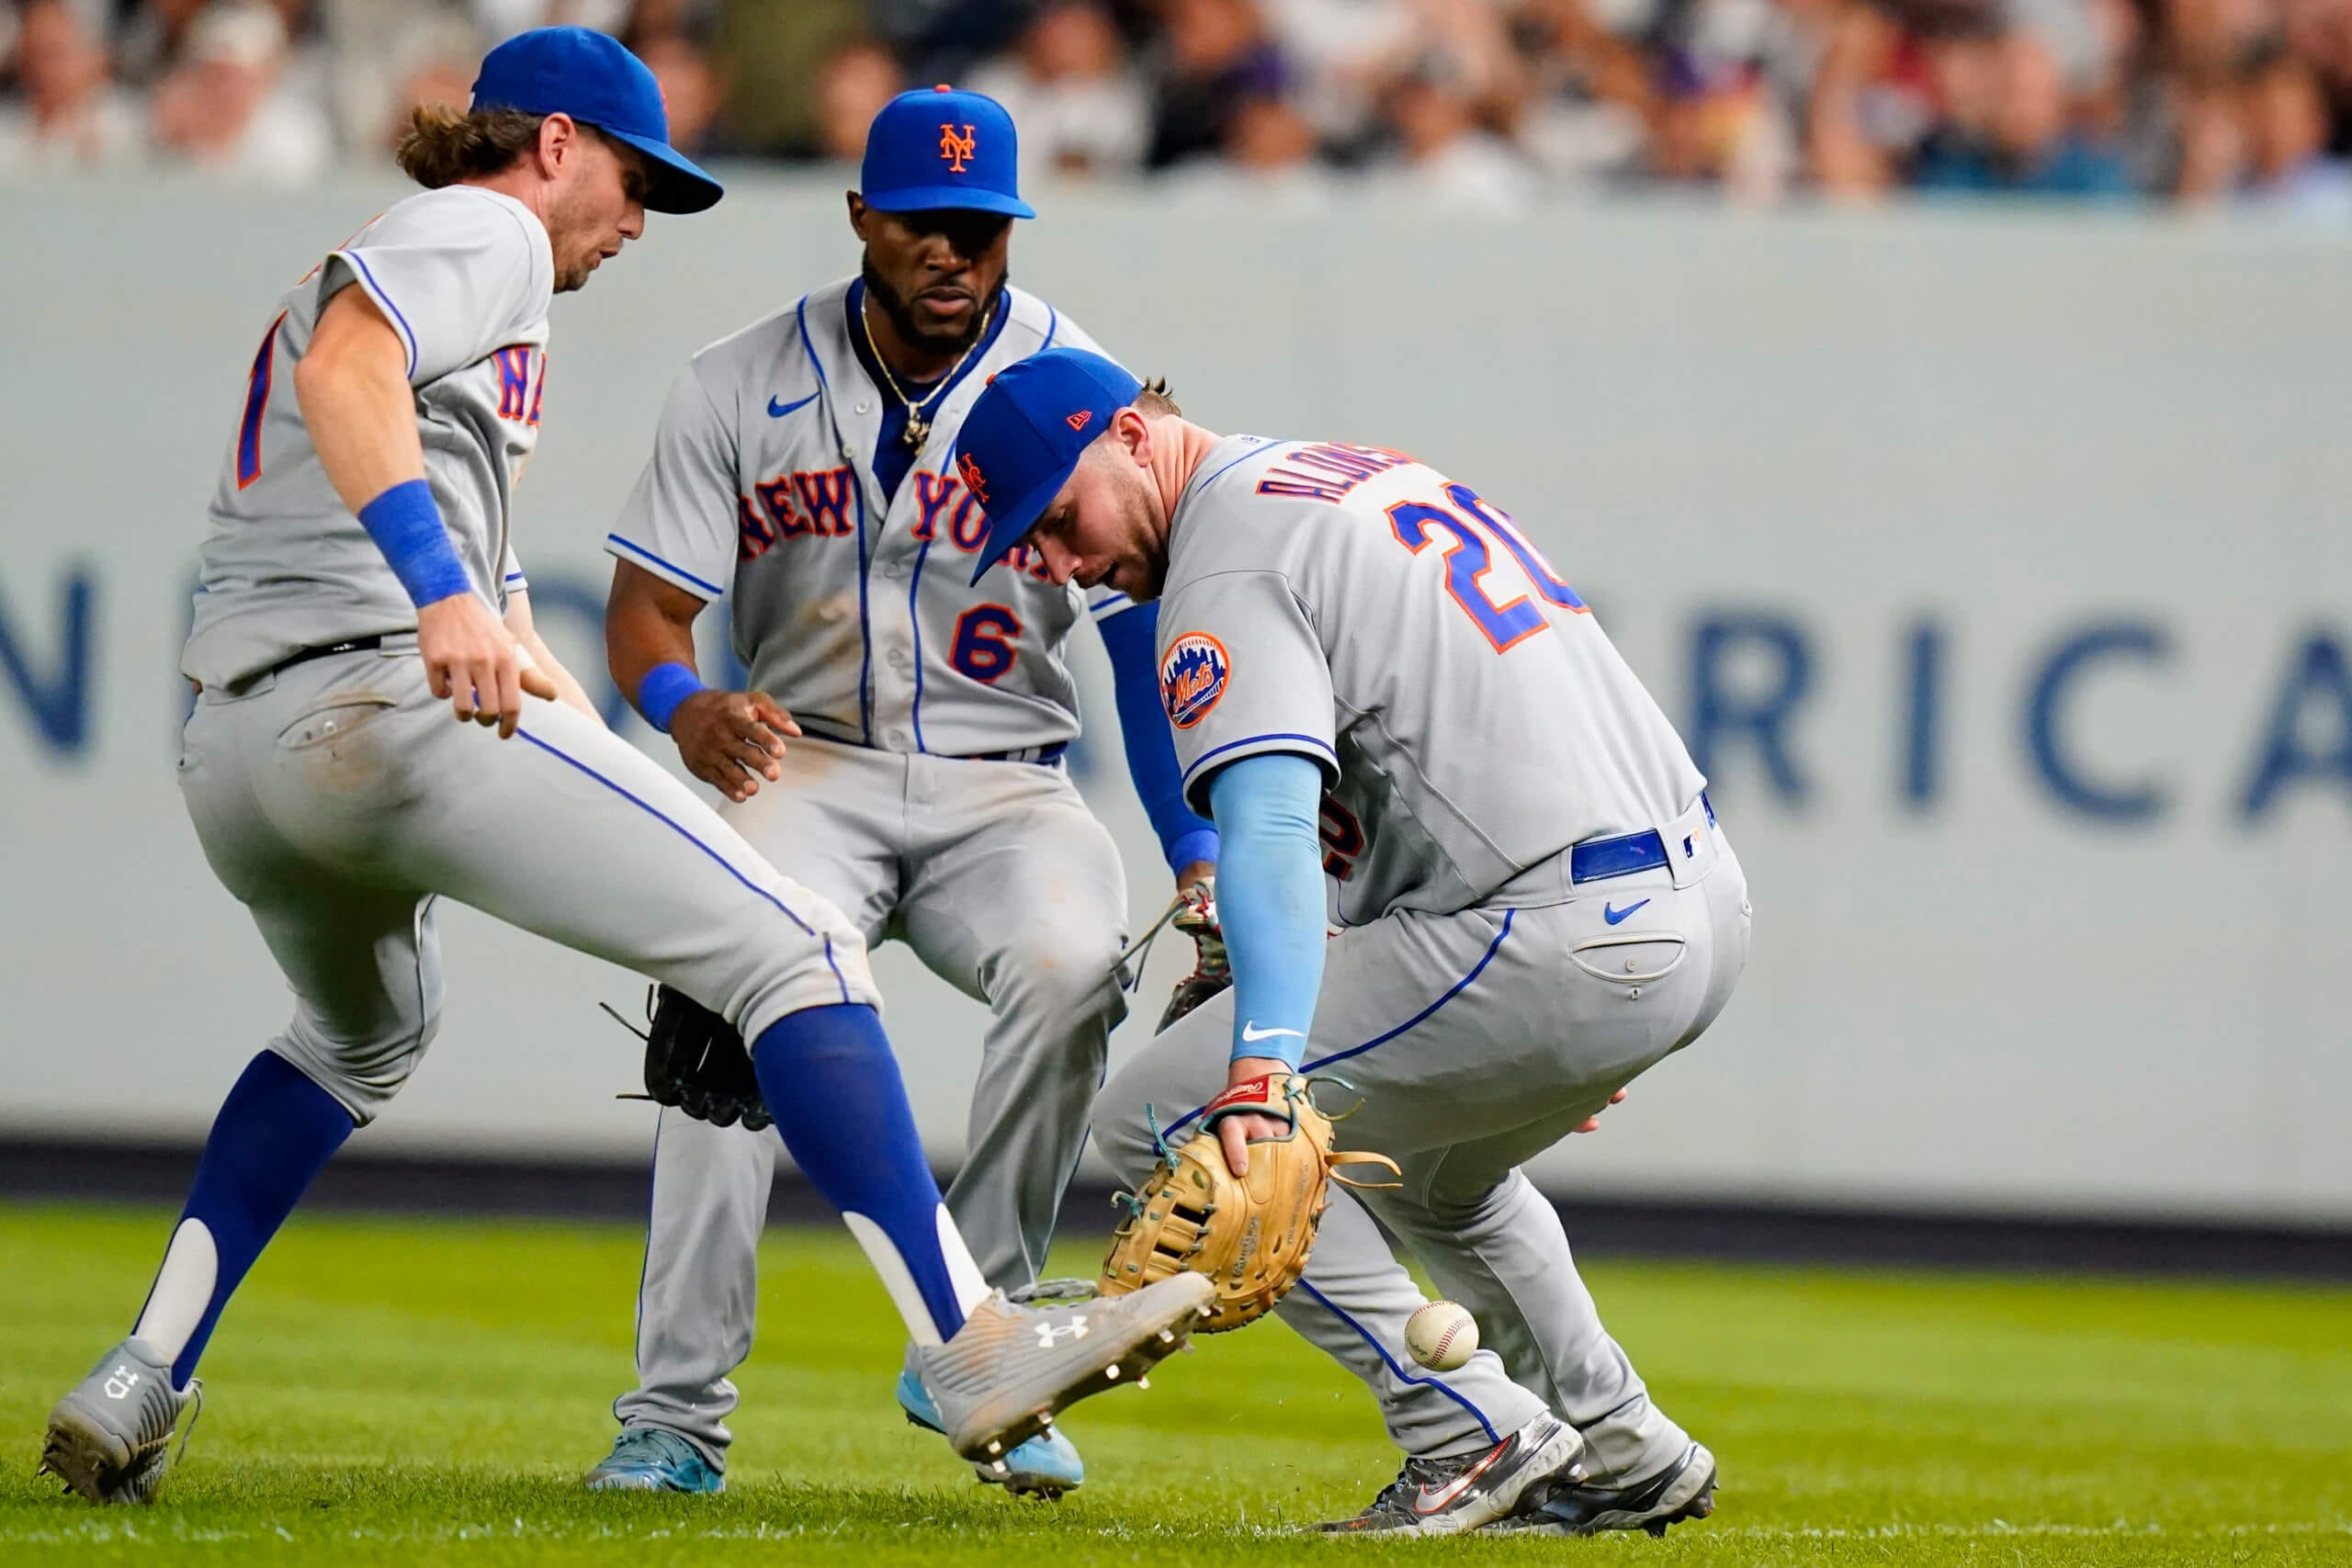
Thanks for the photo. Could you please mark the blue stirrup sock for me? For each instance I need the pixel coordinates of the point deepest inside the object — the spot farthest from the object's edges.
(275, 1132)
(832, 1083)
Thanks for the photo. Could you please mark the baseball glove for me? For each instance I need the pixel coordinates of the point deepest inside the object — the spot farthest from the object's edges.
(1196, 915)
(695, 1060)
(1250, 1235)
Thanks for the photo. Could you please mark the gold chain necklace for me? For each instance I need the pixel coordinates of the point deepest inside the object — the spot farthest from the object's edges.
(918, 428)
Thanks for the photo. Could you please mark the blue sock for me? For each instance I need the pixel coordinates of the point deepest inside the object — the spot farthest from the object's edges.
(275, 1132)
(832, 1085)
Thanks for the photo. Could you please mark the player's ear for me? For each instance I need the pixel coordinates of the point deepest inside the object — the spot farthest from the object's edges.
(1131, 430)
(857, 211)
(558, 143)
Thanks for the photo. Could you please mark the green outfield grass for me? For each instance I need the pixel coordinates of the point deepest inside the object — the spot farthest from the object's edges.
(417, 1390)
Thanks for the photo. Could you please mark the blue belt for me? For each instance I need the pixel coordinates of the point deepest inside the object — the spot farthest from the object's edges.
(1596, 860)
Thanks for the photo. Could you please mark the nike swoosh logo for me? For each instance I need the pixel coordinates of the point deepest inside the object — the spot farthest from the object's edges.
(1613, 916)
(778, 410)
(1431, 1502)
(1251, 1033)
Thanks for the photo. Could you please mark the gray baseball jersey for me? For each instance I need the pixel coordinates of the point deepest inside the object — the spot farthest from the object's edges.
(1357, 607)
(854, 610)
(464, 276)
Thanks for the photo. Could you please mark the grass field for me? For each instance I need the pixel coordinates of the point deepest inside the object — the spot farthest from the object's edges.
(415, 1392)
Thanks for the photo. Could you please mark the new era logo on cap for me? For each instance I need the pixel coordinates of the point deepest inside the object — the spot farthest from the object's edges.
(1026, 433)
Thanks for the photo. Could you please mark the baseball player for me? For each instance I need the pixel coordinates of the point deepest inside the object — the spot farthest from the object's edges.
(1381, 691)
(802, 464)
(359, 587)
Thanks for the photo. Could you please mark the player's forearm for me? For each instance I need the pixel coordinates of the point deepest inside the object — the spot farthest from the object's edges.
(1190, 843)
(352, 384)
(646, 627)
(1270, 899)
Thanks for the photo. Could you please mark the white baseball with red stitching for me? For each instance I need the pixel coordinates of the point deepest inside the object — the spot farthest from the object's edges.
(1442, 1335)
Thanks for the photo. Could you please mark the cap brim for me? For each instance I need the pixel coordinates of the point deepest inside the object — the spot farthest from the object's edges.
(676, 186)
(941, 198)
(1007, 527)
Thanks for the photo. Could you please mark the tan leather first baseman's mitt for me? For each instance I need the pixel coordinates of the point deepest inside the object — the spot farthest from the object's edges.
(1250, 1235)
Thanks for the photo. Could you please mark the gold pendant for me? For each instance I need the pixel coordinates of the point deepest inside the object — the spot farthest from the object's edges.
(916, 431)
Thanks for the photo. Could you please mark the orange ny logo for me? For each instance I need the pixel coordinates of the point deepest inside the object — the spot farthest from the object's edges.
(953, 147)
(973, 480)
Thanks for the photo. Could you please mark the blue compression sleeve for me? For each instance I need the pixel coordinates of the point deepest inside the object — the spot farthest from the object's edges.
(1270, 898)
(1132, 638)
(405, 522)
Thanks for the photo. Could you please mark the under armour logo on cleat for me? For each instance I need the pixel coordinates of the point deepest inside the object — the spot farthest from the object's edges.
(1048, 1333)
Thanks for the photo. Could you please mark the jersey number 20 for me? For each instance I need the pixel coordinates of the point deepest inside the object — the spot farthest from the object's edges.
(1471, 522)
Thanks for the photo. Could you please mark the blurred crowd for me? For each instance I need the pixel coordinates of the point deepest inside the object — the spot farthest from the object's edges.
(1483, 105)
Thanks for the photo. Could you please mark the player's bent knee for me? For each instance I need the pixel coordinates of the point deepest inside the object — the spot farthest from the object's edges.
(779, 972)
(1053, 980)
(360, 1076)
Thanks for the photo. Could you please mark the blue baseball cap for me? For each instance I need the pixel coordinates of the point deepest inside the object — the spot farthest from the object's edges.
(1026, 433)
(942, 149)
(596, 81)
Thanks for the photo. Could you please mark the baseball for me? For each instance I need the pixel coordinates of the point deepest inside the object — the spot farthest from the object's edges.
(1442, 1335)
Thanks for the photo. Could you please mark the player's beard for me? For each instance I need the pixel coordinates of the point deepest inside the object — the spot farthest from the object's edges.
(570, 242)
(1142, 569)
(915, 333)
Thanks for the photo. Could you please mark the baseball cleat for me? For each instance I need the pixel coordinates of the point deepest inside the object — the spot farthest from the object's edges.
(647, 1459)
(1683, 1490)
(1449, 1497)
(1011, 1368)
(110, 1439)
(1045, 1466)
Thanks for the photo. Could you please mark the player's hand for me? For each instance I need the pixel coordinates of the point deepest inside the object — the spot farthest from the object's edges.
(474, 663)
(1592, 1122)
(731, 740)
(1235, 1132)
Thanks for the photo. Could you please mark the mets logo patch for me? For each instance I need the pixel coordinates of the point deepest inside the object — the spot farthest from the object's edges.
(1192, 678)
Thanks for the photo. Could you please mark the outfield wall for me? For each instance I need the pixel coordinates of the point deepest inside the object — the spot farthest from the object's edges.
(1994, 566)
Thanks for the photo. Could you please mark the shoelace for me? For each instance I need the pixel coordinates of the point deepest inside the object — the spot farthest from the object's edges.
(1415, 1476)
(196, 1392)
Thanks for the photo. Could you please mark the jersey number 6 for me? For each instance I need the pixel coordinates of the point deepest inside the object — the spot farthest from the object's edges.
(1468, 559)
(980, 649)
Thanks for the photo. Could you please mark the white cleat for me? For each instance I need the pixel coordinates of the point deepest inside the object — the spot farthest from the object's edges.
(1011, 1368)
(110, 1439)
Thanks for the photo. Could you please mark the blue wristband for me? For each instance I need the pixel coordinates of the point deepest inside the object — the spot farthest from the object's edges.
(1200, 845)
(663, 688)
(406, 526)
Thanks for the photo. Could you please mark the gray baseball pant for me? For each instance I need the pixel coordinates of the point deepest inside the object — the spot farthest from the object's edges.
(338, 800)
(1474, 1041)
(1003, 881)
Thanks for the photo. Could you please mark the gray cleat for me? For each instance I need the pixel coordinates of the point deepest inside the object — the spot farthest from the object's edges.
(1683, 1490)
(110, 1439)
(1011, 1368)
(1466, 1492)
